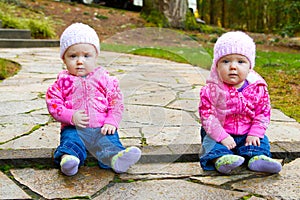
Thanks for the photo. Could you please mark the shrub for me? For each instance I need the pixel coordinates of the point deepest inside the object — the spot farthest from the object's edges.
(39, 25)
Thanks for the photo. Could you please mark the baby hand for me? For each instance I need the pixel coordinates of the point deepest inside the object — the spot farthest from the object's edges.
(80, 119)
(252, 140)
(108, 129)
(229, 142)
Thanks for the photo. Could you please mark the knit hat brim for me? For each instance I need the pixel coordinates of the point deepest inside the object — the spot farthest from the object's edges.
(78, 33)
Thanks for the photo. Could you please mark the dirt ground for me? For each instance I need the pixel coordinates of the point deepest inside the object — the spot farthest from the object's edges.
(104, 20)
(107, 22)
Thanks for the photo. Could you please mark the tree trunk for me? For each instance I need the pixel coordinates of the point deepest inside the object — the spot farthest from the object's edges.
(212, 12)
(173, 10)
(223, 18)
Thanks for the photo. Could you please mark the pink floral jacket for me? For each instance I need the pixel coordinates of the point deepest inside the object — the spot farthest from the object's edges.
(97, 93)
(223, 110)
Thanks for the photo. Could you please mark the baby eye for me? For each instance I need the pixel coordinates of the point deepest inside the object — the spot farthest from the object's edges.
(87, 55)
(225, 61)
(73, 56)
(241, 61)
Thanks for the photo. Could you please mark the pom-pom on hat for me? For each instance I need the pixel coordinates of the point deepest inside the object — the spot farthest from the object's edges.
(78, 33)
(236, 42)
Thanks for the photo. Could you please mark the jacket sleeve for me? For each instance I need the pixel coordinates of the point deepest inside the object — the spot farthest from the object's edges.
(56, 104)
(115, 102)
(261, 119)
(208, 116)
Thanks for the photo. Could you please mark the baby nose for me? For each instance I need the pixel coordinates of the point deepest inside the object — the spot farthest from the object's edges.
(233, 66)
(80, 60)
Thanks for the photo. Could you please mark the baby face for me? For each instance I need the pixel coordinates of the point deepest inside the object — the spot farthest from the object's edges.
(233, 69)
(80, 59)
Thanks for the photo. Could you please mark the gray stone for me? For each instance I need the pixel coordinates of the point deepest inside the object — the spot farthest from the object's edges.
(154, 97)
(157, 116)
(162, 170)
(19, 107)
(167, 189)
(10, 95)
(283, 131)
(219, 180)
(191, 93)
(185, 104)
(276, 115)
(14, 126)
(171, 135)
(52, 184)
(129, 132)
(9, 190)
(44, 137)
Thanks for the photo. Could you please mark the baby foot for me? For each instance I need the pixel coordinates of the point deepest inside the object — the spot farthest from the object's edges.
(124, 159)
(263, 163)
(227, 163)
(69, 165)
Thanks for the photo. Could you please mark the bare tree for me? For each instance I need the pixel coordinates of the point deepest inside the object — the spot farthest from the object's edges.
(173, 10)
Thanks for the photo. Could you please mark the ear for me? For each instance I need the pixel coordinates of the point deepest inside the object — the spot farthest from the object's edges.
(63, 59)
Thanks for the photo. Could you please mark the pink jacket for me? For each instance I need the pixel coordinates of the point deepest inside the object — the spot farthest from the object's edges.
(97, 93)
(223, 110)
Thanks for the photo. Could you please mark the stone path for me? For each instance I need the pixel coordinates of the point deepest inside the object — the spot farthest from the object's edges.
(161, 99)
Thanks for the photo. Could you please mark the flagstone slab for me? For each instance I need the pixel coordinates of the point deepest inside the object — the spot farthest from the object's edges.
(283, 131)
(12, 108)
(127, 142)
(44, 137)
(219, 180)
(152, 115)
(198, 77)
(284, 185)
(35, 117)
(171, 135)
(191, 93)
(185, 104)
(13, 95)
(18, 125)
(277, 115)
(154, 98)
(52, 184)
(17, 87)
(167, 189)
(9, 190)
(162, 170)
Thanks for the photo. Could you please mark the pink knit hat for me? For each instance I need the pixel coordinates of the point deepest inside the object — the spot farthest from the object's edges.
(78, 33)
(235, 43)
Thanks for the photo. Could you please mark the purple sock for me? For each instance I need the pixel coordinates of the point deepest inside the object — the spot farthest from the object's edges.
(69, 165)
(227, 163)
(263, 163)
(125, 159)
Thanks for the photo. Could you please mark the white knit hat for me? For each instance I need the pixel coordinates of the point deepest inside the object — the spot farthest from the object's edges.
(78, 33)
(236, 42)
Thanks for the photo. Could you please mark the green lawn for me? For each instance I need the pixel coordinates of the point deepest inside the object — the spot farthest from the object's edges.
(282, 73)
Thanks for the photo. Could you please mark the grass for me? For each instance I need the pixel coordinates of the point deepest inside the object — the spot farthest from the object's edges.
(197, 56)
(8, 68)
(282, 73)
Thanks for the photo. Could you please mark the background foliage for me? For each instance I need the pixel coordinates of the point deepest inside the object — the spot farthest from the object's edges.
(263, 16)
(14, 14)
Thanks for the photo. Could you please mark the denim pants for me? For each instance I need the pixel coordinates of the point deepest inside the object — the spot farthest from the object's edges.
(78, 141)
(212, 149)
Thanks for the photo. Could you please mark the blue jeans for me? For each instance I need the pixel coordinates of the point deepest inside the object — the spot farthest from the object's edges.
(77, 141)
(212, 149)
